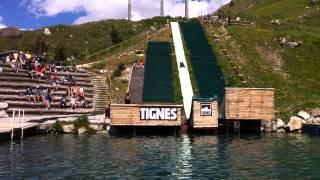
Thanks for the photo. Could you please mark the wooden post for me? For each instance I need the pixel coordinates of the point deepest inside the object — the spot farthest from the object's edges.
(12, 126)
(22, 129)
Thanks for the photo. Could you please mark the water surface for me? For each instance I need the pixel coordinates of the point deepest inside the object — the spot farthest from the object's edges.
(271, 156)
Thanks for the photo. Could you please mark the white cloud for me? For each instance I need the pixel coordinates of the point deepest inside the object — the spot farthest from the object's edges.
(117, 9)
(1, 23)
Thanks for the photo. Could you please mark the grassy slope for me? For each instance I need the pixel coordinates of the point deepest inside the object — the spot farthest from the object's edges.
(73, 38)
(299, 89)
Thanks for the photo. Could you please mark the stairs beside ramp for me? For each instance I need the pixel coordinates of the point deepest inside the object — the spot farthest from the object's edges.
(101, 94)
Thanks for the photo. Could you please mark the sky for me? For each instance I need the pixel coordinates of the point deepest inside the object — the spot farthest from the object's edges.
(35, 14)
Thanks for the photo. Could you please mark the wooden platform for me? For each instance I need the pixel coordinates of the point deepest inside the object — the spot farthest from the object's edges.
(249, 104)
(145, 115)
(205, 114)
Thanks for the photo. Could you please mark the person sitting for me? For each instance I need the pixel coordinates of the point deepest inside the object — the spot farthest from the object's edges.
(48, 99)
(37, 94)
(127, 99)
(73, 103)
(63, 102)
(14, 68)
(63, 79)
(82, 102)
(54, 82)
(29, 94)
(40, 70)
(71, 79)
(81, 91)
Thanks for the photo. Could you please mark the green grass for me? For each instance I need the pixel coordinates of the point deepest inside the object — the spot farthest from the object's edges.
(95, 36)
(299, 90)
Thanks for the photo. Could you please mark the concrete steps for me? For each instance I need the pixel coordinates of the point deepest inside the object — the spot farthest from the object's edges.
(23, 86)
(7, 93)
(33, 105)
(52, 111)
(12, 84)
(101, 93)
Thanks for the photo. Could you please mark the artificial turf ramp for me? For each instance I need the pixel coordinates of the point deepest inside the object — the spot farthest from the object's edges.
(158, 80)
(204, 64)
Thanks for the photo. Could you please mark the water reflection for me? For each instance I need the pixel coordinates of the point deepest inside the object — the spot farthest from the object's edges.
(271, 156)
(184, 167)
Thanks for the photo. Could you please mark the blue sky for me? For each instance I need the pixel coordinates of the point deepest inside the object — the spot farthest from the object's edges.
(35, 14)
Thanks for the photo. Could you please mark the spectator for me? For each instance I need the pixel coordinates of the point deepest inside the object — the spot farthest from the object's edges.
(1, 71)
(81, 91)
(127, 99)
(73, 103)
(14, 68)
(48, 99)
(82, 102)
(29, 94)
(54, 82)
(69, 91)
(37, 94)
(71, 79)
(63, 102)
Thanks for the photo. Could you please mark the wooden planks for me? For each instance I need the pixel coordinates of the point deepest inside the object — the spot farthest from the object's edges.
(205, 121)
(250, 103)
(130, 115)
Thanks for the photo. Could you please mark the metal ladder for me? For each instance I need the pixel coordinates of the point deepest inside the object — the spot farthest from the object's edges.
(19, 115)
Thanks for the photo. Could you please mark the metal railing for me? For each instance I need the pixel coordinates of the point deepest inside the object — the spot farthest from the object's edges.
(19, 111)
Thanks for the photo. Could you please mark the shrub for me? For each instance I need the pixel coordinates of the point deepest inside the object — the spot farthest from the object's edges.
(117, 72)
(57, 127)
(81, 121)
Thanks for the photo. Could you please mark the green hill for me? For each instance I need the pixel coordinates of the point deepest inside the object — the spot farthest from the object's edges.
(73, 40)
(250, 55)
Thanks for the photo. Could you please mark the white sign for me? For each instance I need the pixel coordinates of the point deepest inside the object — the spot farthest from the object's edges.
(158, 113)
(205, 109)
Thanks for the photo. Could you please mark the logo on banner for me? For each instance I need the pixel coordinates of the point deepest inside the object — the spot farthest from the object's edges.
(158, 113)
(205, 109)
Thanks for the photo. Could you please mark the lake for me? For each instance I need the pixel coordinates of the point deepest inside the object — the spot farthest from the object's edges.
(269, 156)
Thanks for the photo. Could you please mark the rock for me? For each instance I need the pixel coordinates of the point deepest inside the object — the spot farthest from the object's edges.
(68, 128)
(281, 130)
(304, 115)
(82, 130)
(3, 114)
(274, 126)
(295, 123)
(47, 31)
(311, 120)
(3, 106)
(276, 22)
(280, 123)
(315, 112)
(94, 127)
(294, 44)
(267, 126)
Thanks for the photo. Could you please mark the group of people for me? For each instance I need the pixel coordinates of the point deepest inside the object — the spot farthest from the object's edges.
(38, 95)
(76, 96)
(139, 64)
(209, 19)
(37, 69)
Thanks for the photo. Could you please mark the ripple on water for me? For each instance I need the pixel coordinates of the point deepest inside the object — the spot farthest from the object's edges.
(270, 156)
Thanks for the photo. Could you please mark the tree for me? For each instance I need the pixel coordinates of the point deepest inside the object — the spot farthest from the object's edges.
(60, 54)
(115, 36)
(39, 45)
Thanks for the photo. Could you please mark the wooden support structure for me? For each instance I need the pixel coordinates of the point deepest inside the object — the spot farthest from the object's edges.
(205, 114)
(145, 115)
(249, 104)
